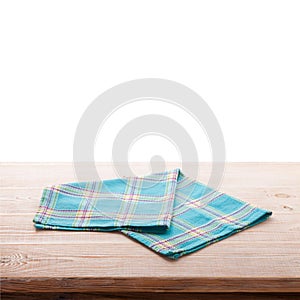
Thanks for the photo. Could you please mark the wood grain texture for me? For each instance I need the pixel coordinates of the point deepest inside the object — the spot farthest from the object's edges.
(265, 258)
(156, 296)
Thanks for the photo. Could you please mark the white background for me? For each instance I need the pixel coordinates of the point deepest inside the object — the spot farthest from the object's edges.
(241, 57)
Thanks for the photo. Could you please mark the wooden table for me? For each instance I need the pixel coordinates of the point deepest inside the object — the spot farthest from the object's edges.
(258, 262)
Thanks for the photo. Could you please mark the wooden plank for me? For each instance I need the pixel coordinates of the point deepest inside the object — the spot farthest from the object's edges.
(265, 258)
(281, 199)
(143, 284)
(148, 296)
(116, 259)
(280, 227)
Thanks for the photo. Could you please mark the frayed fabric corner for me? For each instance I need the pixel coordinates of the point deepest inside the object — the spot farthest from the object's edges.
(168, 212)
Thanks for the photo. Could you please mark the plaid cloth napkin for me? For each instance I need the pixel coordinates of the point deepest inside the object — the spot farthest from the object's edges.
(137, 203)
(168, 212)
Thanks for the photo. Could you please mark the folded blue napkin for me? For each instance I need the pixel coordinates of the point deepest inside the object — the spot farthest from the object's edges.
(168, 212)
(137, 203)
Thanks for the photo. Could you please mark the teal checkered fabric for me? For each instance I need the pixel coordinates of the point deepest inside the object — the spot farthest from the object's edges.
(137, 203)
(168, 212)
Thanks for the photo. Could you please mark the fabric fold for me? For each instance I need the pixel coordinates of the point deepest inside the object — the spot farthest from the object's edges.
(137, 203)
(168, 212)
